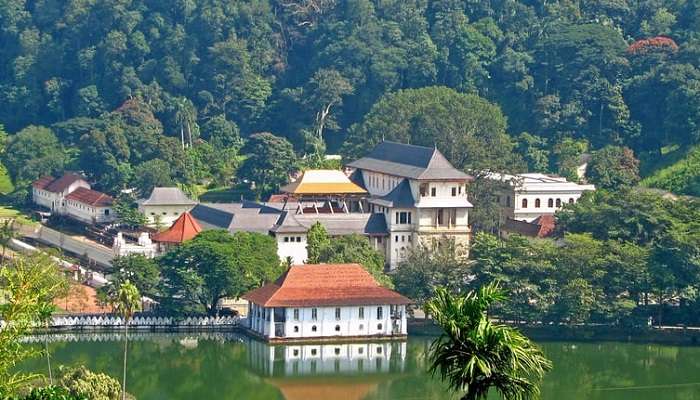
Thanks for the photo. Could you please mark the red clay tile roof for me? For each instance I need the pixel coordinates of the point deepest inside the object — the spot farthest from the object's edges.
(62, 183)
(91, 197)
(43, 182)
(319, 285)
(541, 227)
(184, 228)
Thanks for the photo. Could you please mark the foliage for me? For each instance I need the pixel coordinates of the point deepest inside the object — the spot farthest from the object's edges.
(53, 393)
(127, 211)
(613, 167)
(33, 152)
(83, 383)
(271, 159)
(441, 263)
(682, 177)
(215, 265)
(355, 248)
(475, 355)
(141, 271)
(27, 285)
(126, 301)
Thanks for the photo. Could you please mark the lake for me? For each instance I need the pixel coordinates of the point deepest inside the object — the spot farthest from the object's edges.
(231, 366)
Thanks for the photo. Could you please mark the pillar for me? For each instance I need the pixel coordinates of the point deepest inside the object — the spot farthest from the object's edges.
(272, 322)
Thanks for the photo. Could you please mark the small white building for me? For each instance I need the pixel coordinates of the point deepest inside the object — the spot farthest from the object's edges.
(165, 205)
(71, 196)
(525, 197)
(317, 301)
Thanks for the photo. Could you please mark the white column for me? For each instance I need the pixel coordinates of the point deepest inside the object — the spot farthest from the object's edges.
(272, 322)
(404, 328)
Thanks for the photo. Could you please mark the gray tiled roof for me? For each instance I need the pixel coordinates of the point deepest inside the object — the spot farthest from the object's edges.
(335, 224)
(161, 196)
(409, 161)
(247, 216)
(399, 197)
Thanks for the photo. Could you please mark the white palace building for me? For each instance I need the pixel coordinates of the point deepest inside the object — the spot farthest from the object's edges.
(317, 301)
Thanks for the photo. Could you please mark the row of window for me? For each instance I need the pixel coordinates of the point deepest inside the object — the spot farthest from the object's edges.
(360, 350)
(403, 217)
(374, 181)
(403, 238)
(360, 313)
(288, 239)
(165, 213)
(361, 327)
(454, 190)
(550, 202)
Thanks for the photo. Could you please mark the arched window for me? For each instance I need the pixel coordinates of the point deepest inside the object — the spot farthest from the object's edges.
(550, 203)
(524, 203)
(537, 203)
(558, 203)
(571, 200)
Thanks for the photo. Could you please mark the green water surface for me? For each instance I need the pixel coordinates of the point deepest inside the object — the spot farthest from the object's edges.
(230, 366)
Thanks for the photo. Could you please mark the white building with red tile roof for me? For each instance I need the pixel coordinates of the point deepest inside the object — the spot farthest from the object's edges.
(71, 196)
(317, 301)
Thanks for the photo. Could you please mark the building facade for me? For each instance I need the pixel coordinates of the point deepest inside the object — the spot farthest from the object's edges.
(420, 194)
(165, 205)
(525, 197)
(71, 196)
(326, 301)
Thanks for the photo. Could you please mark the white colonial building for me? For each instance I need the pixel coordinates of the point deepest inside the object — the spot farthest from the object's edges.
(71, 196)
(419, 193)
(525, 197)
(165, 205)
(326, 301)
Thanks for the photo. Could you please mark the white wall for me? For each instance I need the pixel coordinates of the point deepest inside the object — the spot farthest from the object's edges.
(292, 245)
(88, 213)
(349, 323)
(167, 213)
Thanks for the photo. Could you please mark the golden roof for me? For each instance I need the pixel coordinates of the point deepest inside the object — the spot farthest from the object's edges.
(323, 181)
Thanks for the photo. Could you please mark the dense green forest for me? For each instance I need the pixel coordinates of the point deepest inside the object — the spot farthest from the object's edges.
(141, 92)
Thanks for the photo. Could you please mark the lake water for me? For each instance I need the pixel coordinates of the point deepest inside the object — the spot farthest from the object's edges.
(231, 366)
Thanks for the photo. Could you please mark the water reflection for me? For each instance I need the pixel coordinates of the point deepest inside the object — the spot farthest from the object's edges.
(295, 360)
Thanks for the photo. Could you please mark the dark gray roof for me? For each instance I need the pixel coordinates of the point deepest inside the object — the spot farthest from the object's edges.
(335, 224)
(247, 216)
(409, 161)
(399, 197)
(161, 196)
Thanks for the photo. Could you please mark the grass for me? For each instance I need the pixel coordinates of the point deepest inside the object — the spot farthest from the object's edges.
(6, 185)
(227, 195)
(678, 173)
(17, 215)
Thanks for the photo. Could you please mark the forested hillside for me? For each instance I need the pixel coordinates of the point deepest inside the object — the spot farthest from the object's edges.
(144, 92)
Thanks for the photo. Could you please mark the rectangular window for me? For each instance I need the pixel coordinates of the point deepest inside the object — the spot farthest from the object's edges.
(299, 239)
(296, 314)
(433, 192)
(286, 239)
(337, 313)
(361, 313)
(440, 217)
(454, 191)
(409, 218)
(402, 217)
(314, 314)
(397, 218)
(380, 313)
(423, 189)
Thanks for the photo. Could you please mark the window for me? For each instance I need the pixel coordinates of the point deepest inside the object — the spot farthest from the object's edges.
(362, 327)
(314, 314)
(397, 239)
(423, 189)
(295, 352)
(337, 351)
(403, 238)
(454, 191)
(286, 239)
(537, 203)
(440, 217)
(361, 350)
(361, 313)
(379, 327)
(550, 203)
(380, 312)
(313, 351)
(433, 192)
(296, 329)
(337, 313)
(313, 329)
(107, 211)
(460, 189)
(299, 239)
(571, 200)
(379, 350)
(337, 328)
(524, 203)
(296, 314)
(409, 238)
(558, 202)
(507, 201)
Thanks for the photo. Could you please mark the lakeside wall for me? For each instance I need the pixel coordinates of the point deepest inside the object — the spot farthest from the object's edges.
(666, 335)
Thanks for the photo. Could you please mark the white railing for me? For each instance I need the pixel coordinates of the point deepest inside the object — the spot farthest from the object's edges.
(110, 322)
(115, 336)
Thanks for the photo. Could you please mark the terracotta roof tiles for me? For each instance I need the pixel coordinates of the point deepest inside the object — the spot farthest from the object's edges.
(91, 197)
(324, 285)
(184, 228)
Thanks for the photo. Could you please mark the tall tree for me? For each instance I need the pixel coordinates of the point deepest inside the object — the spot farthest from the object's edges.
(270, 160)
(126, 302)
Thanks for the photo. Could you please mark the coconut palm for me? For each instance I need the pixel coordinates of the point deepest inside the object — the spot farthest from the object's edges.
(125, 303)
(46, 311)
(475, 355)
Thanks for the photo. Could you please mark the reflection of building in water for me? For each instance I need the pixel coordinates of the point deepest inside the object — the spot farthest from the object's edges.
(327, 359)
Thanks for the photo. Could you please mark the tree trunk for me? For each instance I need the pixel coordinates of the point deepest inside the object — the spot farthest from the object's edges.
(126, 346)
(182, 135)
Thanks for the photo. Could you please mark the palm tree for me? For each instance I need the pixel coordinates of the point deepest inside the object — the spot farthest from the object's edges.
(474, 355)
(46, 310)
(125, 303)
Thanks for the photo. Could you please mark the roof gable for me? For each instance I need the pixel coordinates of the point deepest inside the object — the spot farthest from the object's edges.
(409, 161)
(58, 185)
(184, 228)
(400, 197)
(168, 196)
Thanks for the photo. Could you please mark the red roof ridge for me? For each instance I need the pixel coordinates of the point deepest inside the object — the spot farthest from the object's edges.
(184, 228)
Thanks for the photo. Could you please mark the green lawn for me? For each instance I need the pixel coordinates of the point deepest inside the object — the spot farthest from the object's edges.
(679, 172)
(10, 212)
